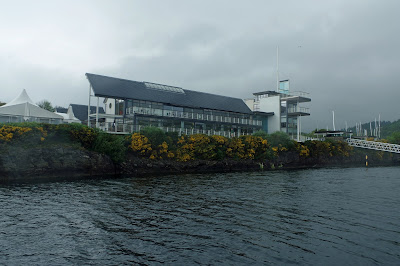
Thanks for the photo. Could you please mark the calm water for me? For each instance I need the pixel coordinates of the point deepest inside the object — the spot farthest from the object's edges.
(324, 216)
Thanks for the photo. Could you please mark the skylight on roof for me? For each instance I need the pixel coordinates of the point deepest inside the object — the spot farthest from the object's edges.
(161, 87)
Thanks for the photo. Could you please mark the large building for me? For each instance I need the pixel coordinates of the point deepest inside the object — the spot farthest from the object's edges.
(132, 105)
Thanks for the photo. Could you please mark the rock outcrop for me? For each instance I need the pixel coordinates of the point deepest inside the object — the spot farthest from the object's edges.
(17, 162)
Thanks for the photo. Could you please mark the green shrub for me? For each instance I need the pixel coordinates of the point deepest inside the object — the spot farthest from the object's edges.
(111, 145)
(155, 135)
(85, 135)
(280, 138)
(261, 133)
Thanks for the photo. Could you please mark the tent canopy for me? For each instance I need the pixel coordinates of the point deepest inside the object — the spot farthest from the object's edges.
(24, 106)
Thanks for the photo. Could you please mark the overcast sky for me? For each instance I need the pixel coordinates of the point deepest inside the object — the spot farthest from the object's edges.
(346, 54)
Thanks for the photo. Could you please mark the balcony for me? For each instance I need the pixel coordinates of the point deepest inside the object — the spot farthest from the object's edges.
(300, 94)
(297, 96)
(298, 111)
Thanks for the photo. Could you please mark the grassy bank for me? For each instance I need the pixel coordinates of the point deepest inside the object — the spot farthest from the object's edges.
(154, 144)
(31, 151)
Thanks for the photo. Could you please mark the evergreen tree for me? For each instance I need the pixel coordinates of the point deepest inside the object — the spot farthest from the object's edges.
(45, 104)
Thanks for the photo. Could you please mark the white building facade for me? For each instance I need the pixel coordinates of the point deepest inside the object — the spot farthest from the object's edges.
(287, 108)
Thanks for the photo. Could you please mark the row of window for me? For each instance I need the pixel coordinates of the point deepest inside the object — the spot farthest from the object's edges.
(146, 121)
(158, 109)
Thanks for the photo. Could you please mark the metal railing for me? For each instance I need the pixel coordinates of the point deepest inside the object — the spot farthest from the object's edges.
(298, 109)
(300, 93)
(373, 145)
(120, 128)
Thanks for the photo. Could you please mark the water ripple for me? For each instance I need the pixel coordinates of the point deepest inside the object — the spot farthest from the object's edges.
(325, 216)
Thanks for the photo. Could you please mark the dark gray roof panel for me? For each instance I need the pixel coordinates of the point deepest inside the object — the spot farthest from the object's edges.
(81, 111)
(61, 110)
(121, 88)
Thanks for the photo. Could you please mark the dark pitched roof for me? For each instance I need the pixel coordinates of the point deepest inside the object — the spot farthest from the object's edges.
(266, 92)
(263, 113)
(104, 86)
(61, 110)
(81, 111)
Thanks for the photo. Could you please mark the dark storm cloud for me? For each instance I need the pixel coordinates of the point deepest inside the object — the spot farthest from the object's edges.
(345, 53)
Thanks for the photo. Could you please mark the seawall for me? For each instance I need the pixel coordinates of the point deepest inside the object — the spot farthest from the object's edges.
(58, 161)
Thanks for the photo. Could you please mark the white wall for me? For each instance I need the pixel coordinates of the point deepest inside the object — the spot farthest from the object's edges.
(109, 110)
(249, 103)
(272, 104)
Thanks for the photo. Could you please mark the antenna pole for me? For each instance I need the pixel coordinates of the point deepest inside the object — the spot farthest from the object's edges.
(277, 68)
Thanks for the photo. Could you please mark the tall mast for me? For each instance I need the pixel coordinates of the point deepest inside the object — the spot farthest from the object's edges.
(379, 127)
(277, 68)
(370, 128)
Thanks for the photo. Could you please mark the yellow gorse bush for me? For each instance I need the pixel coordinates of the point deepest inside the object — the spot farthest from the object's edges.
(185, 152)
(85, 135)
(7, 133)
(198, 146)
(140, 144)
(235, 148)
(254, 147)
(324, 148)
(218, 147)
(219, 140)
(203, 147)
(304, 151)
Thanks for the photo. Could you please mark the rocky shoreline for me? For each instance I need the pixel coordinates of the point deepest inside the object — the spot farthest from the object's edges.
(57, 161)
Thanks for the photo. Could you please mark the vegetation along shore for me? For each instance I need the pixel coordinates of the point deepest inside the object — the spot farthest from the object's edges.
(31, 150)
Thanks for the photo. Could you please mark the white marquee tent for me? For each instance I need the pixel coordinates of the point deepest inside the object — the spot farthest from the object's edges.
(69, 117)
(22, 109)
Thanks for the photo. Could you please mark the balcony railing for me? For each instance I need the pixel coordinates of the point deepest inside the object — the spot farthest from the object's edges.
(298, 109)
(120, 128)
(300, 94)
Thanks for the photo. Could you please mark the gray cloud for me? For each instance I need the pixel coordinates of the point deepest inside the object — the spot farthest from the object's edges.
(345, 53)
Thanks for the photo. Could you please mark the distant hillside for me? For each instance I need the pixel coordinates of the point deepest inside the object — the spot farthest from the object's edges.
(390, 128)
(387, 127)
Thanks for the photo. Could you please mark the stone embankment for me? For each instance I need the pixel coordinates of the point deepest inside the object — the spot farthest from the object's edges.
(57, 161)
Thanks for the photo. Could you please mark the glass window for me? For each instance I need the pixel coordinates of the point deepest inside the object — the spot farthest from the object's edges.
(145, 104)
(175, 108)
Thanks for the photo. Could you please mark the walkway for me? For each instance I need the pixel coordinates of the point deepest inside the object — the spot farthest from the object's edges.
(373, 145)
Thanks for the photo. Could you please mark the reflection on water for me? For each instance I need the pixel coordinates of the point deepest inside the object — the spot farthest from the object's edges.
(325, 216)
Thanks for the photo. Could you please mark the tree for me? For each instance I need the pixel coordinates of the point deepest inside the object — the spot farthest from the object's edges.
(394, 138)
(280, 138)
(261, 133)
(45, 104)
(155, 135)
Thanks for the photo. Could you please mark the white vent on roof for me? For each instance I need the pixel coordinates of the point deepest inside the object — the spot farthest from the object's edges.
(161, 87)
